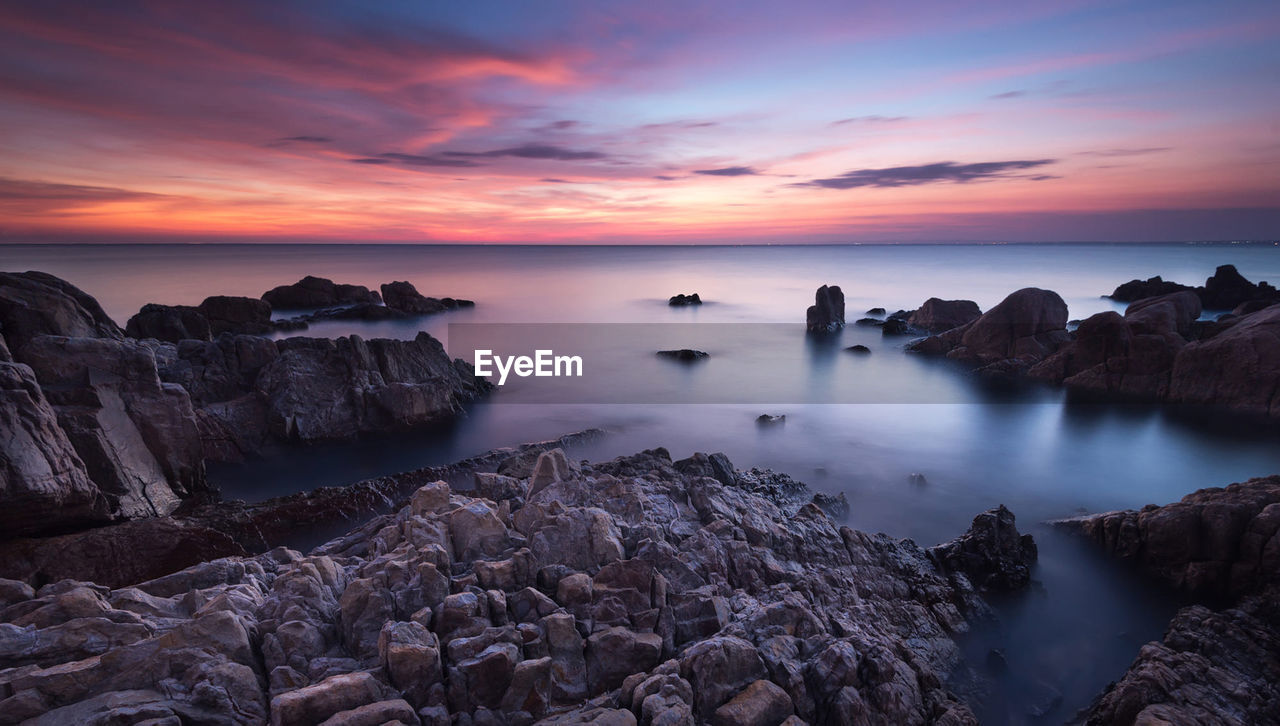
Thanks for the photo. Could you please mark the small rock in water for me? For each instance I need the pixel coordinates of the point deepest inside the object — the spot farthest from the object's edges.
(765, 419)
(996, 661)
(682, 300)
(868, 322)
(897, 326)
(859, 349)
(875, 311)
(917, 478)
(684, 354)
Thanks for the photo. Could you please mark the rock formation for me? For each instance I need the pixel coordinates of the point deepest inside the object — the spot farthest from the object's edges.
(1213, 666)
(216, 315)
(827, 312)
(619, 592)
(1023, 329)
(684, 355)
(317, 292)
(404, 297)
(1225, 289)
(682, 300)
(936, 316)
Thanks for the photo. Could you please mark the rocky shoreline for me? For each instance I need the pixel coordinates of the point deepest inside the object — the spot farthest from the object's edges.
(631, 591)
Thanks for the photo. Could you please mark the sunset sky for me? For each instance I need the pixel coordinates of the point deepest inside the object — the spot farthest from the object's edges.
(602, 122)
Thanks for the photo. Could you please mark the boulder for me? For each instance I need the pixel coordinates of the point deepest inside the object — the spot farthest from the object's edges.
(403, 296)
(618, 652)
(36, 303)
(170, 323)
(827, 312)
(859, 350)
(1134, 290)
(317, 292)
(1028, 324)
(1226, 288)
(315, 703)
(1238, 368)
(936, 316)
(760, 704)
(992, 554)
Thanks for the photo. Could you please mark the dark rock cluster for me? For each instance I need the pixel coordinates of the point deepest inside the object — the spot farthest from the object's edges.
(559, 593)
(1225, 289)
(827, 312)
(682, 300)
(1214, 666)
(1022, 330)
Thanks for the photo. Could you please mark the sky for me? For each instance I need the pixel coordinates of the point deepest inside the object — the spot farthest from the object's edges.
(599, 122)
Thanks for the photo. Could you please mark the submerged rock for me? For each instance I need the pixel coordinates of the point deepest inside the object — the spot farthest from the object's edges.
(992, 554)
(859, 350)
(404, 297)
(1135, 290)
(827, 312)
(686, 355)
(646, 597)
(765, 419)
(682, 300)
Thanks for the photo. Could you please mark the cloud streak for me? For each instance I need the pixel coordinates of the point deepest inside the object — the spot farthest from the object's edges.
(943, 171)
(728, 171)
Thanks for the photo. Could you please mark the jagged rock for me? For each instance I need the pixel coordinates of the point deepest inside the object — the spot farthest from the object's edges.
(682, 300)
(317, 292)
(40, 473)
(827, 312)
(760, 704)
(618, 652)
(329, 389)
(170, 323)
(36, 303)
(1227, 288)
(992, 554)
(765, 419)
(313, 704)
(936, 316)
(1237, 369)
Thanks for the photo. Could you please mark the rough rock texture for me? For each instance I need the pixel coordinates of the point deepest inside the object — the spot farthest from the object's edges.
(318, 292)
(1134, 290)
(1023, 329)
(318, 389)
(621, 592)
(991, 554)
(681, 300)
(827, 312)
(404, 297)
(1238, 368)
(1212, 667)
(936, 316)
(227, 314)
(135, 437)
(1216, 542)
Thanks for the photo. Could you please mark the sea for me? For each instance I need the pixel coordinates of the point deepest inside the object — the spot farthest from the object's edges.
(916, 445)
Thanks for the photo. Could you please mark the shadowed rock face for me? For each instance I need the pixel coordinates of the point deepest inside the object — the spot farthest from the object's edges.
(827, 312)
(936, 316)
(618, 592)
(134, 438)
(1022, 330)
(1225, 289)
(1218, 667)
(317, 292)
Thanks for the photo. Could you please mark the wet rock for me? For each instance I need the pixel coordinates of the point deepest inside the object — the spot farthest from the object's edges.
(684, 355)
(859, 350)
(869, 322)
(317, 292)
(1237, 369)
(765, 419)
(898, 326)
(1030, 323)
(936, 316)
(682, 300)
(827, 312)
(875, 311)
(1227, 288)
(992, 554)
(404, 297)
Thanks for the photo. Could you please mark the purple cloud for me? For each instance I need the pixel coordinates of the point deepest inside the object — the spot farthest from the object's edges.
(944, 171)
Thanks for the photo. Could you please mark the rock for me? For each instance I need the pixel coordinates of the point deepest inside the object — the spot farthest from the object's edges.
(859, 350)
(875, 311)
(1237, 369)
(917, 479)
(1214, 543)
(898, 326)
(682, 300)
(1134, 290)
(41, 476)
(869, 322)
(170, 323)
(760, 704)
(616, 653)
(684, 355)
(333, 695)
(936, 316)
(719, 668)
(827, 312)
(765, 419)
(392, 711)
(237, 315)
(1030, 323)
(551, 467)
(318, 292)
(404, 297)
(1227, 288)
(410, 654)
(332, 389)
(36, 303)
(991, 554)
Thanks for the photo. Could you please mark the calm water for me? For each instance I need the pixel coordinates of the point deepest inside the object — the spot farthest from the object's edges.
(976, 446)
